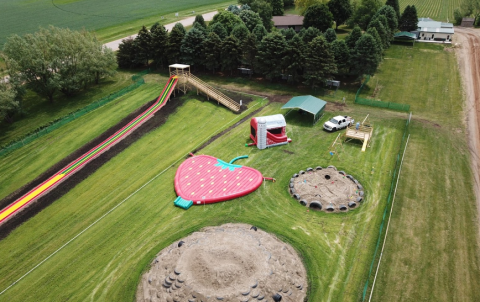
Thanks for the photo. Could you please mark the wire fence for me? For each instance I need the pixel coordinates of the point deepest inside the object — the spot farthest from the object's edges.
(378, 103)
(57, 123)
(385, 218)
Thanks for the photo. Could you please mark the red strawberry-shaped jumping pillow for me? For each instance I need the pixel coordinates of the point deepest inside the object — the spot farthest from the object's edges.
(205, 179)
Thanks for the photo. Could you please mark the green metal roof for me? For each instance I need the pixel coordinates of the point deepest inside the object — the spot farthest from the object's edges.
(307, 103)
(405, 35)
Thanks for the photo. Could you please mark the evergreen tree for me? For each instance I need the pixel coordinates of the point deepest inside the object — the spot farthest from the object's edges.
(143, 46)
(212, 51)
(373, 32)
(330, 35)
(240, 31)
(409, 19)
(391, 16)
(233, 9)
(250, 18)
(250, 50)
(174, 43)
(192, 47)
(365, 57)
(365, 12)
(318, 16)
(245, 7)
(260, 32)
(200, 28)
(270, 55)
(200, 20)
(265, 11)
(219, 29)
(353, 37)
(288, 33)
(159, 44)
(396, 7)
(341, 11)
(277, 7)
(381, 32)
(126, 54)
(231, 53)
(293, 58)
(319, 62)
(309, 34)
(227, 19)
(342, 56)
(383, 20)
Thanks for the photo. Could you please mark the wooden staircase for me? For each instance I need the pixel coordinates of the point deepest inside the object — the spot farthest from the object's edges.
(213, 93)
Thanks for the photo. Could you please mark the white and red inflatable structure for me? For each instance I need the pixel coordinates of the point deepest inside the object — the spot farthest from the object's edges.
(268, 131)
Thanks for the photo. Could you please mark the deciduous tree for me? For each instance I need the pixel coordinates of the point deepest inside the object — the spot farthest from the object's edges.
(240, 31)
(302, 5)
(260, 32)
(227, 19)
(250, 18)
(341, 11)
(277, 7)
(318, 16)
(365, 12)
(309, 34)
(265, 11)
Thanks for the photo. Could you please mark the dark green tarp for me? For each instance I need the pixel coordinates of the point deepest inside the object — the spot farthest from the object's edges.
(307, 103)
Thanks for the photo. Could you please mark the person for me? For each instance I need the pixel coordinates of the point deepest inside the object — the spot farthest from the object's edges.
(357, 126)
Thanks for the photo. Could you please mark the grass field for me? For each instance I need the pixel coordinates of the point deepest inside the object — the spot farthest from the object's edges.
(432, 252)
(438, 10)
(39, 111)
(121, 245)
(116, 18)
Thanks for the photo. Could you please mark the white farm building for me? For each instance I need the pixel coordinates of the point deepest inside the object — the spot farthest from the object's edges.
(434, 31)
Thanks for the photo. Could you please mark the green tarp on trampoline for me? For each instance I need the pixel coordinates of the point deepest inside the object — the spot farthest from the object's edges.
(307, 103)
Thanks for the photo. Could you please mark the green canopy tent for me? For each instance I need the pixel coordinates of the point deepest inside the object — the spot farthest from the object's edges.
(405, 36)
(307, 103)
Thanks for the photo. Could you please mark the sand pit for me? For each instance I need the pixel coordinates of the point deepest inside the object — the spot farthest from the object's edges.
(326, 189)
(232, 262)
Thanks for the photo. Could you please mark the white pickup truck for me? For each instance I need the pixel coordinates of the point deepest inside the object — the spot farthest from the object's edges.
(338, 122)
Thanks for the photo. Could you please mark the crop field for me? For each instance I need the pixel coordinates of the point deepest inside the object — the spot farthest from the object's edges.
(336, 249)
(438, 10)
(20, 17)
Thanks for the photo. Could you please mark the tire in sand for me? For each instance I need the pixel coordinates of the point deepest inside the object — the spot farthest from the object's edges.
(326, 189)
(232, 262)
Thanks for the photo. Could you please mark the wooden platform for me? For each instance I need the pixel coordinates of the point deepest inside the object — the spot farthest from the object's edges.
(363, 133)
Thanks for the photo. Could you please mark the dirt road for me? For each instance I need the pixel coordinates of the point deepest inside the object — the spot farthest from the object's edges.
(468, 57)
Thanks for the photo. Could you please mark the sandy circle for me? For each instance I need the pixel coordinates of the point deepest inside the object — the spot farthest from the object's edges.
(326, 189)
(232, 262)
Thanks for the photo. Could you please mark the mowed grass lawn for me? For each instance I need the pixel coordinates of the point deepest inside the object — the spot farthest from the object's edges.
(114, 17)
(106, 262)
(432, 250)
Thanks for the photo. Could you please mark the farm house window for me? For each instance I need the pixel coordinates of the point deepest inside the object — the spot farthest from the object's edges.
(433, 36)
(423, 35)
(448, 37)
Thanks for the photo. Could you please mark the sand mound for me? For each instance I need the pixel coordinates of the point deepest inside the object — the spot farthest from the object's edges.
(232, 262)
(326, 189)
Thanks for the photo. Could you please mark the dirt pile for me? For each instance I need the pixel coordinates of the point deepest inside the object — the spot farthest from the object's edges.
(232, 262)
